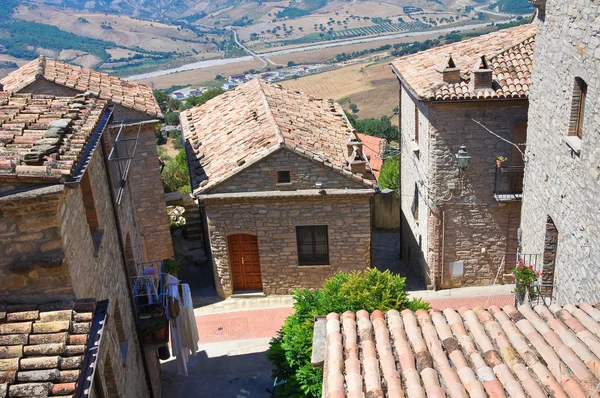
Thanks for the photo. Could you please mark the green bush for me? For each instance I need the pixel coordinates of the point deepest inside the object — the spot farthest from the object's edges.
(290, 351)
(388, 177)
(175, 174)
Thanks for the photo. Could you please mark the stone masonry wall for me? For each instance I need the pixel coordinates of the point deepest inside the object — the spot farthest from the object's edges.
(31, 251)
(304, 173)
(558, 184)
(145, 185)
(413, 166)
(274, 222)
(479, 230)
(101, 275)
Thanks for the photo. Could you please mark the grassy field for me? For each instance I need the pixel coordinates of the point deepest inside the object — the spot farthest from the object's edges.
(373, 87)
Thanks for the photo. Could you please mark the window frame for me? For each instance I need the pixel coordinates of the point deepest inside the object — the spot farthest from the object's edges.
(315, 259)
(578, 105)
(281, 173)
(416, 124)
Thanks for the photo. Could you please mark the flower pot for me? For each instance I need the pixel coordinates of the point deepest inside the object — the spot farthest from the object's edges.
(500, 163)
(160, 334)
(147, 338)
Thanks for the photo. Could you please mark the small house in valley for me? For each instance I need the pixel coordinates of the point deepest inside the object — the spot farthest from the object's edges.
(284, 185)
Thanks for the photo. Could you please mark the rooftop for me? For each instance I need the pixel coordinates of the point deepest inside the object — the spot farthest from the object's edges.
(43, 136)
(43, 348)
(374, 148)
(240, 127)
(128, 94)
(509, 54)
(541, 352)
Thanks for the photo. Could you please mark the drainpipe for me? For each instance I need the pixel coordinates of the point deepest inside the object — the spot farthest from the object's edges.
(442, 257)
(127, 276)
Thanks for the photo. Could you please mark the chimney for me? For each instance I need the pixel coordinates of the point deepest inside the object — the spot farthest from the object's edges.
(450, 73)
(481, 78)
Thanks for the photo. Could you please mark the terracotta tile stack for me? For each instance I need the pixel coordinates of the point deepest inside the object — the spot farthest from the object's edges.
(255, 119)
(509, 51)
(498, 352)
(42, 351)
(44, 136)
(129, 94)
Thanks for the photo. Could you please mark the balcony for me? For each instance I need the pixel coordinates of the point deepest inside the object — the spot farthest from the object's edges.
(509, 183)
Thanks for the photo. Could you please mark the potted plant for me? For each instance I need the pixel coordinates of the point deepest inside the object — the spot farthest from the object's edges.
(160, 329)
(147, 335)
(525, 277)
(158, 311)
(500, 160)
(171, 267)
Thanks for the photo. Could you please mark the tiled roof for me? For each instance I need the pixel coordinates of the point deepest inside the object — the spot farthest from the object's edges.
(500, 352)
(44, 136)
(236, 129)
(42, 348)
(129, 94)
(509, 53)
(374, 148)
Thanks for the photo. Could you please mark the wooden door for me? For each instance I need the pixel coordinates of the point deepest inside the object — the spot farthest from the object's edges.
(245, 262)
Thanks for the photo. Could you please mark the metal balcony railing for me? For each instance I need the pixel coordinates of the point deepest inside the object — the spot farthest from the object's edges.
(509, 183)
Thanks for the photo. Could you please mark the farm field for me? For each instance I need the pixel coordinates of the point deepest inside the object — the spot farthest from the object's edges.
(373, 87)
(120, 29)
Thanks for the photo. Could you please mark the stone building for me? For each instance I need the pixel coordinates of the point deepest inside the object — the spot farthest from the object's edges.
(561, 217)
(284, 185)
(81, 204)
(459, 224)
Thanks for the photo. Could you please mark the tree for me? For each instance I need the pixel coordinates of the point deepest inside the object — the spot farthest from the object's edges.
(175, 174)
(353, 107)
(172, 118)
(389, 174)
(290, 351)
(290, 64)
(218, 77)
(206, 96)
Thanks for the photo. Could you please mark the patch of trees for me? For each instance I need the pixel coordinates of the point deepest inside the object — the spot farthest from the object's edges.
(194, 17)
(291, 13)
(82, 20)
(513, 6)
(23, 35)
(380, 20)
(409, 9)
(382, 127)
(355, 54)
(8, 65)
(243, 21)
(6, 8)
(389, 174)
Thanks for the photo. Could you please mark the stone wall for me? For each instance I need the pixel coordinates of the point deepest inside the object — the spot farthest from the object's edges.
(304, 173)
(274, 223)
(559, 184)
(467, 220)
(100, 274)
(31, 255)
(385, 210)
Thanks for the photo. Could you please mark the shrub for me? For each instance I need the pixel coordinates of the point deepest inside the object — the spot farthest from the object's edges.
(389, 174)
(175, 174)
(290, 351)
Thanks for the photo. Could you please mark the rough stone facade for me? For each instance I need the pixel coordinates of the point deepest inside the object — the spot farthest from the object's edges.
(466, 220)
(304, 174)
(560, 186)
(52, 253)
(273, 221)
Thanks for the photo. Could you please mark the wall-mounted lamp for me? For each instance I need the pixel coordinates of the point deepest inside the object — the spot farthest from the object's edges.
(463, 157)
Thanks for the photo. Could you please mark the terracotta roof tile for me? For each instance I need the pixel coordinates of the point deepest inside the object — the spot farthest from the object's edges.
(535, 352)
(51, 140)
(236, 129)
(102, 85)
(35, 363)
(510, 57)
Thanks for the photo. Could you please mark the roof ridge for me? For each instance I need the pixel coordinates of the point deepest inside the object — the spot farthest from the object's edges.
(270, 116)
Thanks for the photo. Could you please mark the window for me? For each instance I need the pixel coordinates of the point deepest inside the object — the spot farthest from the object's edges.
(415, 204)
(578, 108)
(283, 177)
(416, 124)
(313, 245)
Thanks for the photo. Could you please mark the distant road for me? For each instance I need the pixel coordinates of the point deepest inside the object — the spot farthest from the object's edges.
(265, 55)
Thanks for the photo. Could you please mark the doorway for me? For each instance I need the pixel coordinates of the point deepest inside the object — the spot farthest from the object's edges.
(245, 262)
